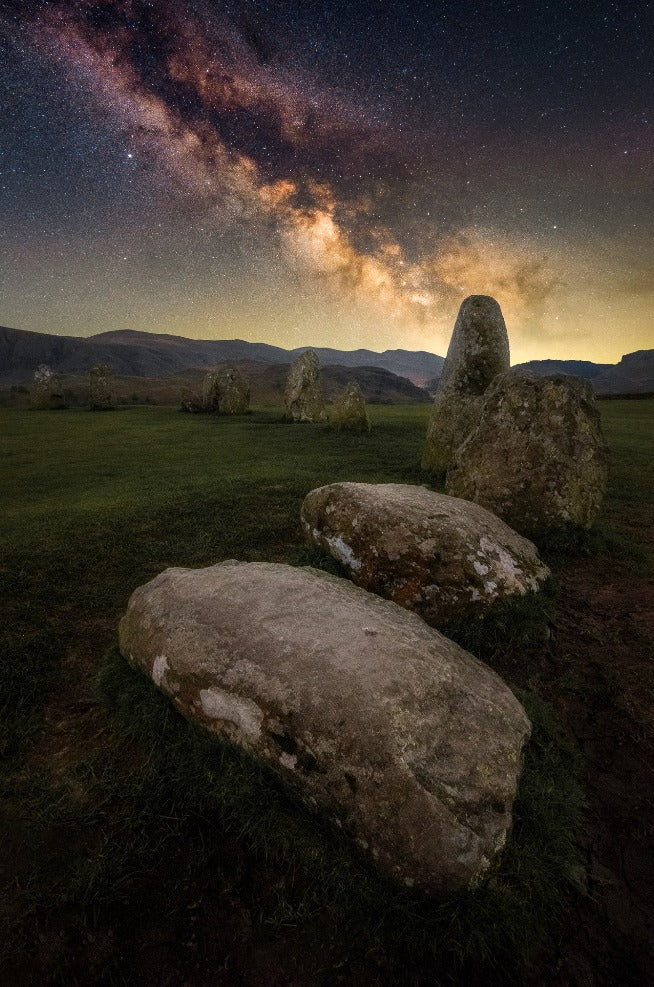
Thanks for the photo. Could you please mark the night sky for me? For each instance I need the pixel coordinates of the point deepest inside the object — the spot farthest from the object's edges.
(330, 173)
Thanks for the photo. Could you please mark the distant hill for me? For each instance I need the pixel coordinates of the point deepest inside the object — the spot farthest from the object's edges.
(576, 368)
(144, 354)
(633, 375)
(157, 355)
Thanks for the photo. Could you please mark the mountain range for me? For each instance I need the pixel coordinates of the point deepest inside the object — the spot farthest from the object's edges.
(134, 354)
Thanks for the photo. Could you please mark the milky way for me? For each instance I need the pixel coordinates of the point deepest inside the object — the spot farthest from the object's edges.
(315, 194)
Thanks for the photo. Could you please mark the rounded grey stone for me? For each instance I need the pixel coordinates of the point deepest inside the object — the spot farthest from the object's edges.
(440, 556)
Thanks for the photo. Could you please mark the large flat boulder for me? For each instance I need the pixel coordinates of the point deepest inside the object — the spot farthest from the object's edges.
(412, 745)
(537, 457)
(478, 352)
(440, 556)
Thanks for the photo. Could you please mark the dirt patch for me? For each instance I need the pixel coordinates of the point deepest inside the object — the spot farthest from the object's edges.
(599, 674)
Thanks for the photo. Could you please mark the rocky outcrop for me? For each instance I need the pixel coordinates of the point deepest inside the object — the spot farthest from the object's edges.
(349, 410)
(478, 352)
(442, 557)
(537, 459)
(304, 398)
(412, 745)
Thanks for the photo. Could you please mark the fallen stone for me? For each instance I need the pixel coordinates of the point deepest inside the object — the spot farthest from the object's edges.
(478, 352)
(442, 557)
(303, 396)
(537, 458)
(409, 743)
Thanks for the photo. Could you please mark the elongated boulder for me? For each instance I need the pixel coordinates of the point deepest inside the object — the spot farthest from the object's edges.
(412, 745)
(537, 457)
(303, 395)
(478, 352)
(440, 556)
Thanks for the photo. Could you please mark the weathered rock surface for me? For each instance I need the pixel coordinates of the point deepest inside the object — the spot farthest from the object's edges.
(537, 459)
(478, 352)
(46, 392)
(232, 391)
(413, 745)
(303, 396)
(440, 556)
(224, 392)
(349, 409)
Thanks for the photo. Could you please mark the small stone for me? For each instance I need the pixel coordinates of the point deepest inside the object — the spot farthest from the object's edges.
(100, 396)
(349, 410)
(537, 458)
(46, 392)
(478, 352)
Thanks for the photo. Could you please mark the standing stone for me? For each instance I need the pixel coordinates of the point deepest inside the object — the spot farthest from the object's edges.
(537, 457)
(440, 556)
(478, 352)
(303, 396)
(349, 409)
(410, 743)
(47, 392)
(100, 396)
(232, 391)
(210, 391)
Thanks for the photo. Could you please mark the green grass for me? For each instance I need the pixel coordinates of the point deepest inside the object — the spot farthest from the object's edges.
(164, 785)
(629, 429)
(93, 506)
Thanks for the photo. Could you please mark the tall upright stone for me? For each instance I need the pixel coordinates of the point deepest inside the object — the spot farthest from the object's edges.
(478, 352)
(349, 409)
(100, 396)
(537, 457)
(209, 399)
(225, 391)
(303, 396)
(232, 391)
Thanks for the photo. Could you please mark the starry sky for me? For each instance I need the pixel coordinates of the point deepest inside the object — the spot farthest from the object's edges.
(329, 173)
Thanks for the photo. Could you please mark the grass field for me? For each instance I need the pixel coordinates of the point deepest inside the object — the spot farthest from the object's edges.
(135, 850)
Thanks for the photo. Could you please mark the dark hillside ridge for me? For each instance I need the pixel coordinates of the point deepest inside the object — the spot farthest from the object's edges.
(155, 355)
(576, 368)
(633, 375)
(144, 354)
